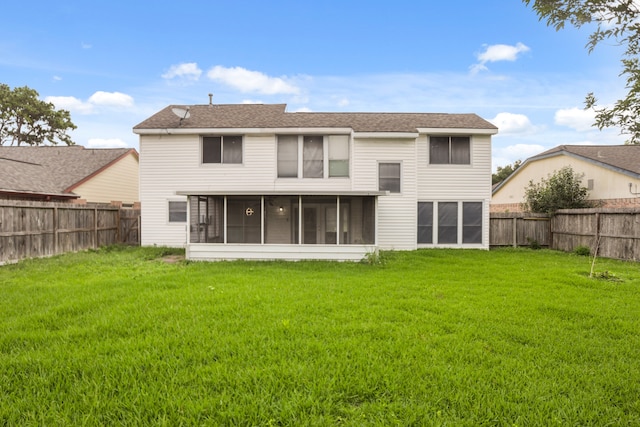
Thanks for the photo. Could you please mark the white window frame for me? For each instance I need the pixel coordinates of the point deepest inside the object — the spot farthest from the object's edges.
(450, 163)
(222, 145)
(169, 211)
(460, 224)
(326, 156)
(391, 162)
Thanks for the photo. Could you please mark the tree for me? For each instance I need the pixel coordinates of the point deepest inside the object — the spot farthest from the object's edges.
(503, 173)
(26, 120)
(562, 190)
(618, 20)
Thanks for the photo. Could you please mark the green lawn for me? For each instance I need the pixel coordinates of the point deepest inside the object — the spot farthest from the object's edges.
(432, 337)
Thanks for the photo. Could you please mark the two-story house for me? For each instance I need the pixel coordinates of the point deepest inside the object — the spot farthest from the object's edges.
(253, 181)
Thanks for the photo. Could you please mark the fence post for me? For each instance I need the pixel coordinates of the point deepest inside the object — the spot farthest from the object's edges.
(95, 228)
(56, 243)
(515, 231)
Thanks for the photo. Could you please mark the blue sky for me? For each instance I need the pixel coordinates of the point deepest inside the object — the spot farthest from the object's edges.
(115, 63)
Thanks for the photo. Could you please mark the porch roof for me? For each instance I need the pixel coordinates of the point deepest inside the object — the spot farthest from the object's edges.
(282, 193)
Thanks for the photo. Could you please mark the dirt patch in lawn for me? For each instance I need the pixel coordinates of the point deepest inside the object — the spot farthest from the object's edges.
(172, 259)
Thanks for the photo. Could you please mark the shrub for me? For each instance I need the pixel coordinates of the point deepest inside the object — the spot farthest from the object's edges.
(562, 190)
(582, 250)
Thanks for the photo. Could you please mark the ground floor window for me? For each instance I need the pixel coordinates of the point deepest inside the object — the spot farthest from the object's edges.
(449, 222)
(305, 220)
(177, 211)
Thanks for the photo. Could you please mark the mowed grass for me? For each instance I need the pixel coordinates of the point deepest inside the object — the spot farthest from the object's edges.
(433, 337)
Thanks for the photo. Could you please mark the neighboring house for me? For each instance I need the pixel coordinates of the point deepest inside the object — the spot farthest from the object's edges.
(69, 173)
(611, 173)
(257, 182)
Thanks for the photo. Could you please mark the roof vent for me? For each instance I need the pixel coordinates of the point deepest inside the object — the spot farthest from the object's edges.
(210, 99)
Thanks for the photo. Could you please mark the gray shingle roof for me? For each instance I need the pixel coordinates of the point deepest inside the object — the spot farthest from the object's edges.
(624, 157)
(51, 170)
(275, 116)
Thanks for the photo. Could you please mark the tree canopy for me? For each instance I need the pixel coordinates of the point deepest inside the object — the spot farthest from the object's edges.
(617, 20)
(27, 120)
(503, 173)
(562, 190)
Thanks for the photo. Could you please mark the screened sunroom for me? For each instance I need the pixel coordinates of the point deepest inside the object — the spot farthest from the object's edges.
(281, 226)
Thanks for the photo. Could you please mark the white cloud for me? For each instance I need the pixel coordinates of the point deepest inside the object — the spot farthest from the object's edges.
(57, 78)
(575, 118)
(251, 81)
(303, 110)
(187, 71)
(111, 99)
(85, 45)
(508, 155)
(98, 99)
(70, 103)
(498, 52)
(251, 101)
(343, 102)
(106, 143)
(509, 124)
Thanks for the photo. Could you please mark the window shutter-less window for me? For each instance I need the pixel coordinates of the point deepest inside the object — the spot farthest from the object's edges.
(448, 222)
(211, 149)
(288, 156)
(439, 150)
(338, 156)
(460, 153)
(313, 157)
(232, 149)
(472, 222)
(389, 177)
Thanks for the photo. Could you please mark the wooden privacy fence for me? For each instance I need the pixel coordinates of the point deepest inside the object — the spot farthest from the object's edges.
(40, 229)
(613, 233)
(519, 229)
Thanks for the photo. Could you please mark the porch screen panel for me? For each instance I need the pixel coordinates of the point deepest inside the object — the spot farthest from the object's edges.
(368, 236)
(287, 156)
(281, 220)
(448, 222)
(357, 220)
(472, 222)
(206, 220)
(313, 157)
(319, 220)
(244, 220)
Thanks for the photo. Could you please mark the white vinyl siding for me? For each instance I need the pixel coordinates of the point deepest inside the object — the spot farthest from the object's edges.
(458, 183)
(397, 216)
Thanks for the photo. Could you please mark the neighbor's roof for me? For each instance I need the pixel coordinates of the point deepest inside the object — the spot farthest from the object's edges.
(623, 157)
(620, 158)
(52, 170)
(274, 116)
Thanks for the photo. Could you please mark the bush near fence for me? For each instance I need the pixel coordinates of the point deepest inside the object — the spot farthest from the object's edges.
(613, 233)
(33, 229)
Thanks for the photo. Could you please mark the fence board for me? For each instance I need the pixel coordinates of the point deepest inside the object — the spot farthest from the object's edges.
(614, 232)
(30, 229)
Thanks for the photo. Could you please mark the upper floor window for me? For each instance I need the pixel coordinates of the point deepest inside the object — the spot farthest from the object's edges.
(338, 156)
(389, 177)
(315, 149)
(313, 157)
(222, 149)
(444, 150)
